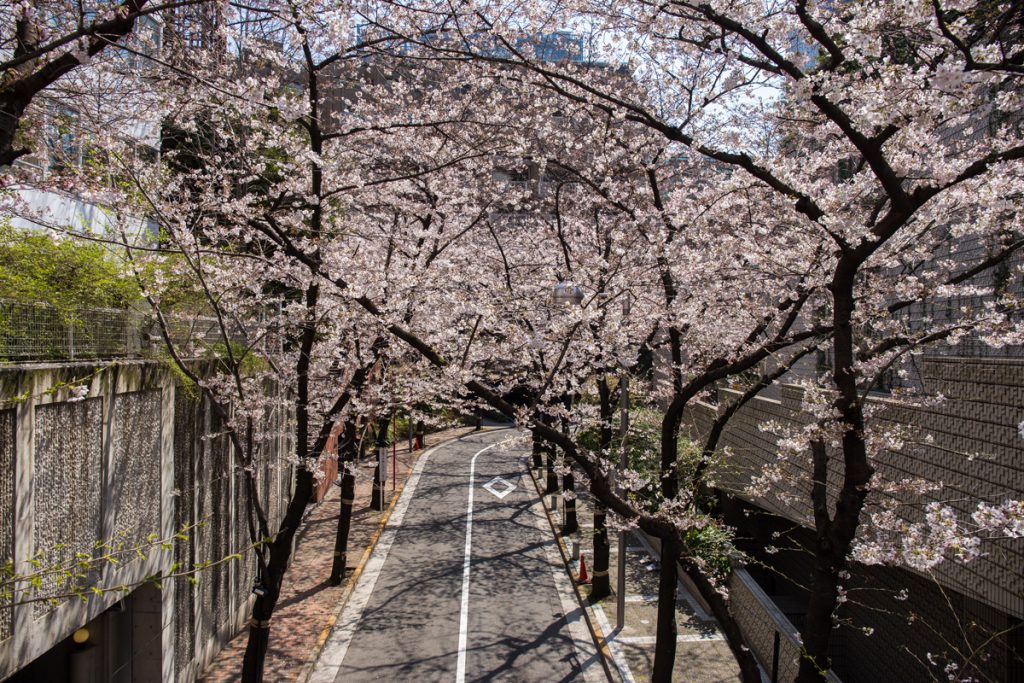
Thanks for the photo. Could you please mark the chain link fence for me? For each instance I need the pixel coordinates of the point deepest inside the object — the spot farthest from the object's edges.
(40, 332)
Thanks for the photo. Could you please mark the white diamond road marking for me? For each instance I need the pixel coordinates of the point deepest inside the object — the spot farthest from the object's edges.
(506, 486)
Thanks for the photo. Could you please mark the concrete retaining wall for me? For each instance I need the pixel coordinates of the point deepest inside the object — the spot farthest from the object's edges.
(134, 457)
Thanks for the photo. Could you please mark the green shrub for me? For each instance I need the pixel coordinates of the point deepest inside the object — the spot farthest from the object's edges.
(68, 274)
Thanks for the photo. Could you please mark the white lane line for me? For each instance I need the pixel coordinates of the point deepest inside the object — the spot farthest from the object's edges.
(460, 667)
(586, 650)
(334, 651)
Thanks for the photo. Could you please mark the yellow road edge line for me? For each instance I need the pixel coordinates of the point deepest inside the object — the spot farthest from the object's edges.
(595, 629)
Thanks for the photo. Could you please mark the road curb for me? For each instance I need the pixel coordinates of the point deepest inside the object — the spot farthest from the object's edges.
(351, 580)
(611, 669)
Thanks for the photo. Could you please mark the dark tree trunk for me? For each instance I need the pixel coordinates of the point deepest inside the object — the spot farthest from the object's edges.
(665, 637)
(11, 111)
(600, 585)
(280, 550)
(273, 578)
(411, 437)
(570, 525)
(668, 582)
(377, 499)
(348, 492)
(552, 482)
(834, 535)
(537, 449)
(818, 625)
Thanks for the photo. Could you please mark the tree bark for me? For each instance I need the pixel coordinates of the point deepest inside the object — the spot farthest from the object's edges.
(570, 524)
(281, 547)
(377, 500)
(601, 586)
(665, 635)
(348, 492)
(537, 450)
(273, 578)
(552, 482)
(834, 536)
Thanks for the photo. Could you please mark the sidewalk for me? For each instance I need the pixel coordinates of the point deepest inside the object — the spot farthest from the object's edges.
(308, 604)
(702, 654)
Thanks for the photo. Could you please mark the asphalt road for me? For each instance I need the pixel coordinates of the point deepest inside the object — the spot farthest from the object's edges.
(490, 602)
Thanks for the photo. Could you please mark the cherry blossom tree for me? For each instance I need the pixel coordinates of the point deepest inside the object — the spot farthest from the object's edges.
(280, 176)
(878, 137)
(761, 183)
(71, 53)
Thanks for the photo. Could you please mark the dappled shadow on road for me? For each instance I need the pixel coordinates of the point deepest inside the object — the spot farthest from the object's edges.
(409, 629)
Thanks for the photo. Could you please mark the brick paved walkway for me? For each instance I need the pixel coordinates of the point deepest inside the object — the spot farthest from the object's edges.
(308, 604)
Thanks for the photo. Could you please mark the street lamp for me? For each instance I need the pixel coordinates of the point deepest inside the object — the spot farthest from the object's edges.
(567, 293)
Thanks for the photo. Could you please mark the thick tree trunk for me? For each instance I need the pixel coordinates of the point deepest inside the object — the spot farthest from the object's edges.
(377, 499)
(817, 630)
(348, 492)
(552, 481)
(570, 525)
(11, 111)
(834, 536)
(537, 450)
(665, 635)
(600, 585)
(273, 578)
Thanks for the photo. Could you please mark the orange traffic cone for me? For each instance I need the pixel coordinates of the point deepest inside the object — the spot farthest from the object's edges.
(583, 577)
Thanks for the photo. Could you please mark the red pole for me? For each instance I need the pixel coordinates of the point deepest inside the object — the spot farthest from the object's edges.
(394, 459)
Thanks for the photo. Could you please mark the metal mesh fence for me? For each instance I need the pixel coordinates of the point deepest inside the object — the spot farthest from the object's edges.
(40, 332)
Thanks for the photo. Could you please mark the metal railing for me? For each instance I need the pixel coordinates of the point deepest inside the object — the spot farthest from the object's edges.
(771, 636)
